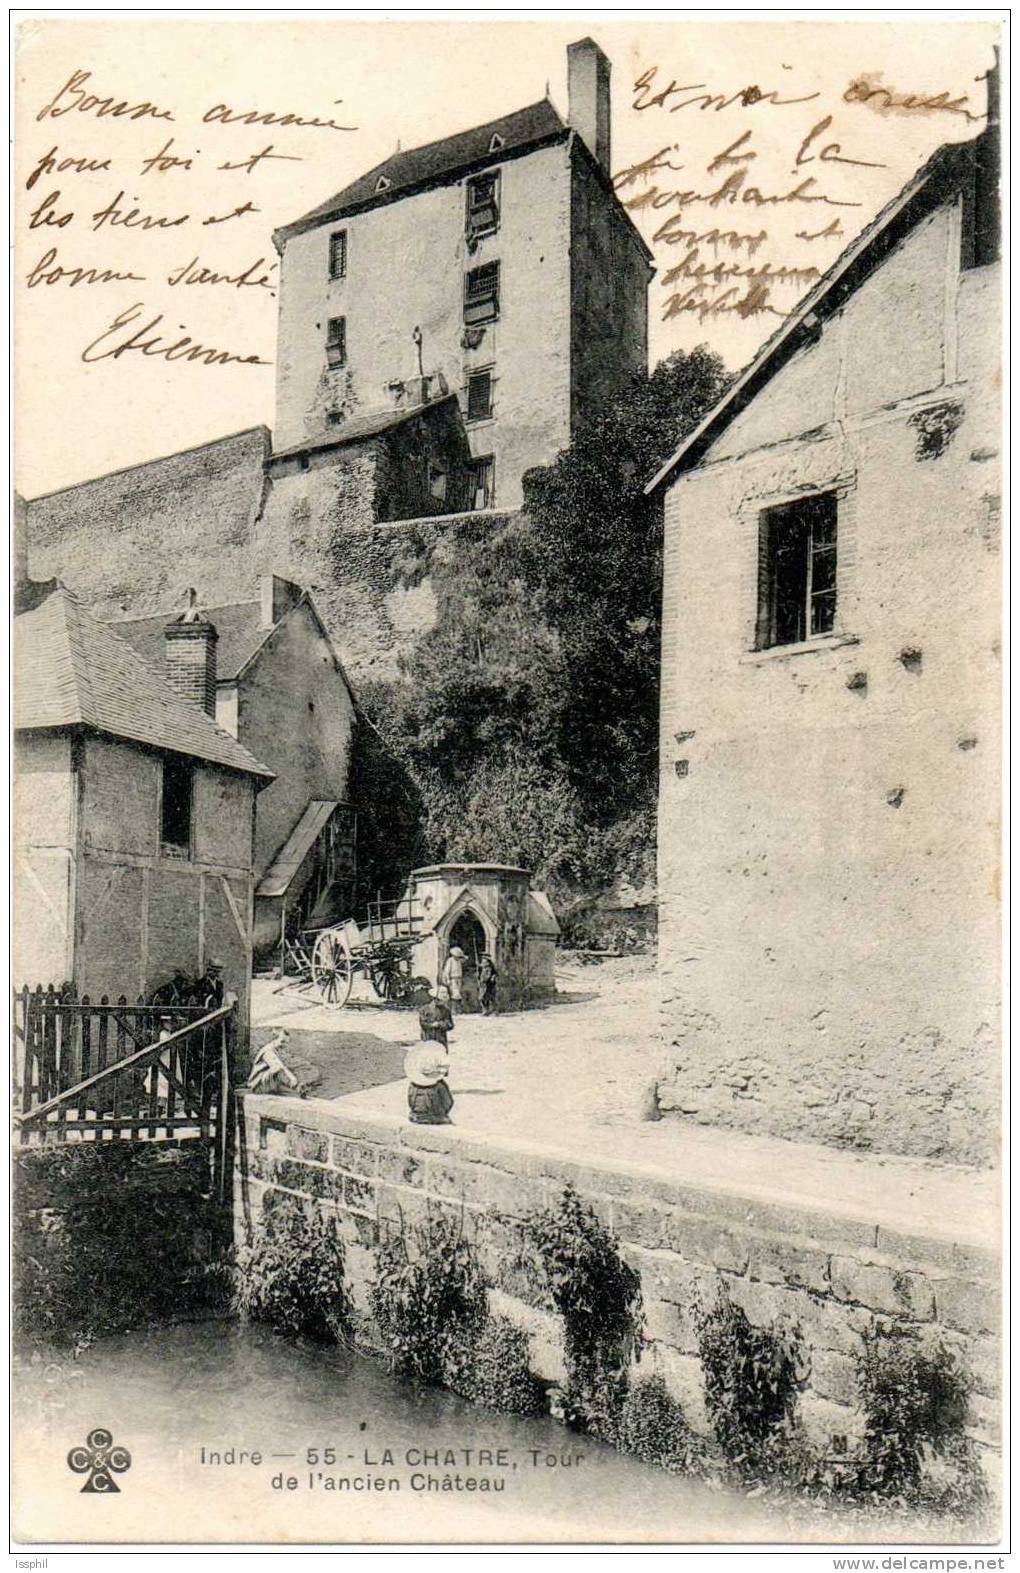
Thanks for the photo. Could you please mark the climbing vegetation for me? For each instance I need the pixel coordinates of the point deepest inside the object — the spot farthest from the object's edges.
(429, 1301)
(750, 1376)
(599, 1298)
(291, 1275)
(916, 1448)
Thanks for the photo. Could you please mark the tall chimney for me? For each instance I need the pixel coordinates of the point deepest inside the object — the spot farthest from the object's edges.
(276, 597)
(588, 97)
(190, 646)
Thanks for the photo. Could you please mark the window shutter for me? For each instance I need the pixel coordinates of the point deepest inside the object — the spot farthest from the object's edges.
(481, 294)
(479, 396)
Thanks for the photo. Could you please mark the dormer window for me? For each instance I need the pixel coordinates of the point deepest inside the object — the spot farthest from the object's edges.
(483, 205)
(497, 143)
(382, 184)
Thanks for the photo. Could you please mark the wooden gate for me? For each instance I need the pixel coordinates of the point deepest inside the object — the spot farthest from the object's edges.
(85, 1072)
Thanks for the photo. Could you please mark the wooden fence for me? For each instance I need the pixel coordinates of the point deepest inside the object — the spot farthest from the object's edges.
(99, 1072)
(60, 1040)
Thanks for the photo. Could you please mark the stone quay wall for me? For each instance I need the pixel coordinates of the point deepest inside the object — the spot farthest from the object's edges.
(836, 1277)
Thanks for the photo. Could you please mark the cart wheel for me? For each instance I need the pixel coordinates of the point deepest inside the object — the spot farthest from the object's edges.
(380, 975)
(332, 971)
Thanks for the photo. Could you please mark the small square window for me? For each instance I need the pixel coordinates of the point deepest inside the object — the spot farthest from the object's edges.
(175, 806)
(479, 395)
(481, 294)
(483, 483)
(483, 205)
(338, 254)
(336, 342)
(797, 571)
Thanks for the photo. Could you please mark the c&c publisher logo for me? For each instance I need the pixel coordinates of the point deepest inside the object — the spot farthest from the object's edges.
(100, 1460)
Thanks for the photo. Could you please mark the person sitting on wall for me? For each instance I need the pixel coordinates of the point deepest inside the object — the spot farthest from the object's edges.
(487, 985)
(429, 1099)
(436, 1018)
(268, 1071)
(453, 973)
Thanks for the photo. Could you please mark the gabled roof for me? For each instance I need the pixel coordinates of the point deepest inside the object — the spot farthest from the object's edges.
(405, 171)
(72, 670)
(929, 188)
(238, 627)
(240, 636)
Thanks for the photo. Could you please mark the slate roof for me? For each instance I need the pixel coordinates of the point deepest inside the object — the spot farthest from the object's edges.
(437, 161)
(238, 626)
(72, 670)
(933, 183)
(365, 426)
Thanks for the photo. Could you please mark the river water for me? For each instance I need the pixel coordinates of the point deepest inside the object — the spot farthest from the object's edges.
(180, 1398)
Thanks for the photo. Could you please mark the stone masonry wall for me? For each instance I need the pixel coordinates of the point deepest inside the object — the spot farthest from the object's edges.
(834, 1276)
(211, 520)
(374, 585)
(137, 540)
(828, 832)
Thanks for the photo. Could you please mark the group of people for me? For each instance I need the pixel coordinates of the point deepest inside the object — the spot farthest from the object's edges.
(427, 1065)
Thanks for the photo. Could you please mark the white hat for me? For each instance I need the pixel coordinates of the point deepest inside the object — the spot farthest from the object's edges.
(426, 1064)
(456, 951)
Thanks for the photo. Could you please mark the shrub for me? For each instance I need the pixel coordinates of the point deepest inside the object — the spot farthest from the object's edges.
(653, 1428)
(291, 1275)
(87, 1270)
(500, 1378)
(915, 1404)
(750, 1387)
(429, 1302)
(599, 1298)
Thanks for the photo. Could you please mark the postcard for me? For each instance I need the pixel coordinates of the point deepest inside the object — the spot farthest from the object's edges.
(507, 585)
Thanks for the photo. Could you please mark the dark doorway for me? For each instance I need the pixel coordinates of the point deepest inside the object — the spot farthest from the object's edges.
(469, 934)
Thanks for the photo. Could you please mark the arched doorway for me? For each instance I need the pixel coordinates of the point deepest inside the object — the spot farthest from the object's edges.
(468, 933)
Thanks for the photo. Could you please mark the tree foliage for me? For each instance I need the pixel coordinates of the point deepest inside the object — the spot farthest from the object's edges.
(528, 717)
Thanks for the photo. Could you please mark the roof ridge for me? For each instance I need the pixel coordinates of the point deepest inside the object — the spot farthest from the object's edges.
(151, 617)
(852, 253)
(424, 147)
(420, 167)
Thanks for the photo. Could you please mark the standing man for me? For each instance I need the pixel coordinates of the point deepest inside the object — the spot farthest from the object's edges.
(487, 985)
(453, 974)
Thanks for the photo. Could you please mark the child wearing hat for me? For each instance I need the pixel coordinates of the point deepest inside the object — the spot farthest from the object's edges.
(429, 1099)
(436, 1018)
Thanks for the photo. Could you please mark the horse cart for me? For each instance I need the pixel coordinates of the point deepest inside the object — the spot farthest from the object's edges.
(381, 949)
